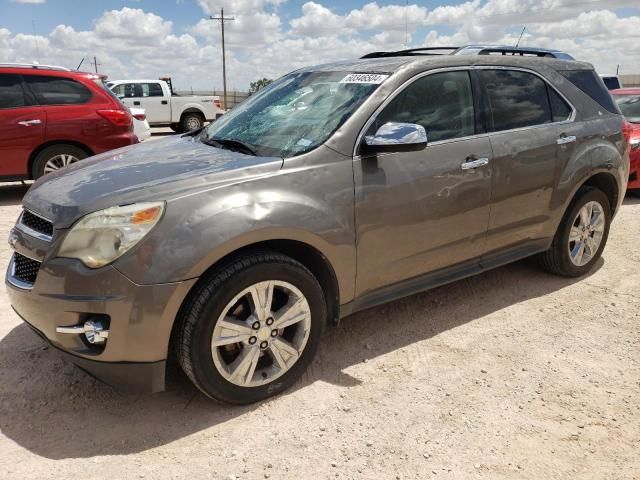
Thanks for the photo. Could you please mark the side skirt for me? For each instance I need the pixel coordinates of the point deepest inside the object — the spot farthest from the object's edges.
(444, 276)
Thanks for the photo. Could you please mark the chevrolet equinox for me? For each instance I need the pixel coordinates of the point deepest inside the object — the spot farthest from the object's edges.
(336, 188)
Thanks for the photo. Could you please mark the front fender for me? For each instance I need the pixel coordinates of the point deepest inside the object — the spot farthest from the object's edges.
(312, 205)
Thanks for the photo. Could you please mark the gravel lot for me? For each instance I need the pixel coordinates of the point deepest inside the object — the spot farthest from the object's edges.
(511, 374)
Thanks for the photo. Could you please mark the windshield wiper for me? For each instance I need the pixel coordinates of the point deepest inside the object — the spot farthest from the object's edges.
(232, 144)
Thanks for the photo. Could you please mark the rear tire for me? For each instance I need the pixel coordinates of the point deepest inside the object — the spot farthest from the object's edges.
(221, 327)
(55, 157)
(581, 236)
(191, 121)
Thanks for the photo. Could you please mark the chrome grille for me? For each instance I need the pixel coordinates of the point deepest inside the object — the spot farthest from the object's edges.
(25, 269)
(36, 223)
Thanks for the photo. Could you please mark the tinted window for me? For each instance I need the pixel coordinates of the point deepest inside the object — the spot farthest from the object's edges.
(151, 90)
(516, 99)
(11, 93)
(592, 85)
(442, 103)
(560, 110)
(57, 90)
(612, 83)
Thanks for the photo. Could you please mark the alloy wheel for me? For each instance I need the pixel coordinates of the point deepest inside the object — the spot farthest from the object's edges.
(261, 333)
(586, 233)
(58, 161)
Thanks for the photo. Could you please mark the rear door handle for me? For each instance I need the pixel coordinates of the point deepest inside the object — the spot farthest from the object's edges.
(136, 103)
(564, 139)
(164, 102)
(28, 123)
(472, 163)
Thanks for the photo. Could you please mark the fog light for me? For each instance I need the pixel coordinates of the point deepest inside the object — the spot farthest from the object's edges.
(95, 330)
(95, 333)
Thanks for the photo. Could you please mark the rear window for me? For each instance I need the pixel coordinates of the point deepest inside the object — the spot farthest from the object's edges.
(612, 83)
(57, 90)
(11, 93)
(591, 84)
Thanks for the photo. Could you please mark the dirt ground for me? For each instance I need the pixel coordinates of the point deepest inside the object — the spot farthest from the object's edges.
(513, 374)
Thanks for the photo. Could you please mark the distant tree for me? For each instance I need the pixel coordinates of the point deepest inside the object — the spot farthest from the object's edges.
(258, 84)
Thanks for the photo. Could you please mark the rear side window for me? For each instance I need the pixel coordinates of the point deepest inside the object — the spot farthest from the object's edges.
(516, 99)
(442, 103)
(57, 90)
(560, 110)
(592, 85)
(11, 93)
(151, 90)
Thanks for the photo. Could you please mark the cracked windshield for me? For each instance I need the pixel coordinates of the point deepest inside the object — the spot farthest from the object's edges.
(293, 115)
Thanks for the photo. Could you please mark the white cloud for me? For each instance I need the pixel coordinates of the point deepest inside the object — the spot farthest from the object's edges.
(131, 42)
(28, 1)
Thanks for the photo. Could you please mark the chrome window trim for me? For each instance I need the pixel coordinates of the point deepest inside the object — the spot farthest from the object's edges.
(409, 81)
(30, 231)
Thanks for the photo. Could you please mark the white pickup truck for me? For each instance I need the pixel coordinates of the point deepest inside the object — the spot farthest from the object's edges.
(163, 107)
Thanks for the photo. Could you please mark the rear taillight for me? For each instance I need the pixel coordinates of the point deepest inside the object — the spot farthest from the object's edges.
(626, 132)
(140, 116)
(119, 118)
(216, 102)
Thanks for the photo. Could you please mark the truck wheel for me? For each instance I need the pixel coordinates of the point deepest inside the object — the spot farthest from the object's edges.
(250, 328)
(581, 236)
(176, 127)
(55, 157)
(191, 121)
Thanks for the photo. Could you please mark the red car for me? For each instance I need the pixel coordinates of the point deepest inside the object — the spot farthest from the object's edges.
(51, 117)
(628, 99)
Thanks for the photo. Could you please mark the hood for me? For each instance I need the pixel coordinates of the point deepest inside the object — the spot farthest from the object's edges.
(152, 171)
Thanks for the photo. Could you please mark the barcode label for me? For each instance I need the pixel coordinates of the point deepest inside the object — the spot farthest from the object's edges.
(368, 78)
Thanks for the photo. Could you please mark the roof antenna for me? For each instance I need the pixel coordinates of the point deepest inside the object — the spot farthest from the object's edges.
(406, 25)
(80, 64)
(520, 37)
(618, 69)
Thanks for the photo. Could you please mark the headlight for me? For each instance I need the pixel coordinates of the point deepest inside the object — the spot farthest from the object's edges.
(100, 237)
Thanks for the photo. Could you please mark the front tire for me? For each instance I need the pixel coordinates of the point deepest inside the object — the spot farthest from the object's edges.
(251, 327)
(55, 157)
(581, 236)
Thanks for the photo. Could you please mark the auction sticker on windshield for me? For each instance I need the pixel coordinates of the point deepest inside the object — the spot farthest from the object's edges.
(367, 78)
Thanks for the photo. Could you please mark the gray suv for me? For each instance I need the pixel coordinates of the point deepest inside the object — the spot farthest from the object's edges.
(337, 188)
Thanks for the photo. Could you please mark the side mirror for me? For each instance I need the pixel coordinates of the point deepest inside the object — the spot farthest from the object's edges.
(396, 137)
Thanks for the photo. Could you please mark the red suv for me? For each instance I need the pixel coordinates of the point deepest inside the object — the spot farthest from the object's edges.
(51, 117)
(628, 99)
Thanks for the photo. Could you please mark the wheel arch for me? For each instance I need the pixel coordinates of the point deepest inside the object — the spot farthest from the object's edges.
(53, 143)
(192, 110)
(607, 183)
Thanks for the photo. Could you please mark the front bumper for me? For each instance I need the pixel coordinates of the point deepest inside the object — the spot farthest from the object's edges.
(66, 293)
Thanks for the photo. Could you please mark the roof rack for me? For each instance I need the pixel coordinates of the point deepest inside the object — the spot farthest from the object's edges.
(35, 66)
(516, 51)
(412, 52)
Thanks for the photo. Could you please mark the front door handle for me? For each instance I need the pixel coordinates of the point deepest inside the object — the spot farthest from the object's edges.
(164, 102)
(136, 103)
(564, 139)
(28, 123)
(472, 163)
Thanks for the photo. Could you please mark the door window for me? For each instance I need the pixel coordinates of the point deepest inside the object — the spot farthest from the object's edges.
(57, 90)
(442, 103)
(126, 90)
(516, 99)
(11, 93)
(151, 90)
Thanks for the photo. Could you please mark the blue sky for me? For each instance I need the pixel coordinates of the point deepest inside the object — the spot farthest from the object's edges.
(270, 37)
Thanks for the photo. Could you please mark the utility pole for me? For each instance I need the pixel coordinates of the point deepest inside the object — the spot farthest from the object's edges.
(223, 19)
(94, 63)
